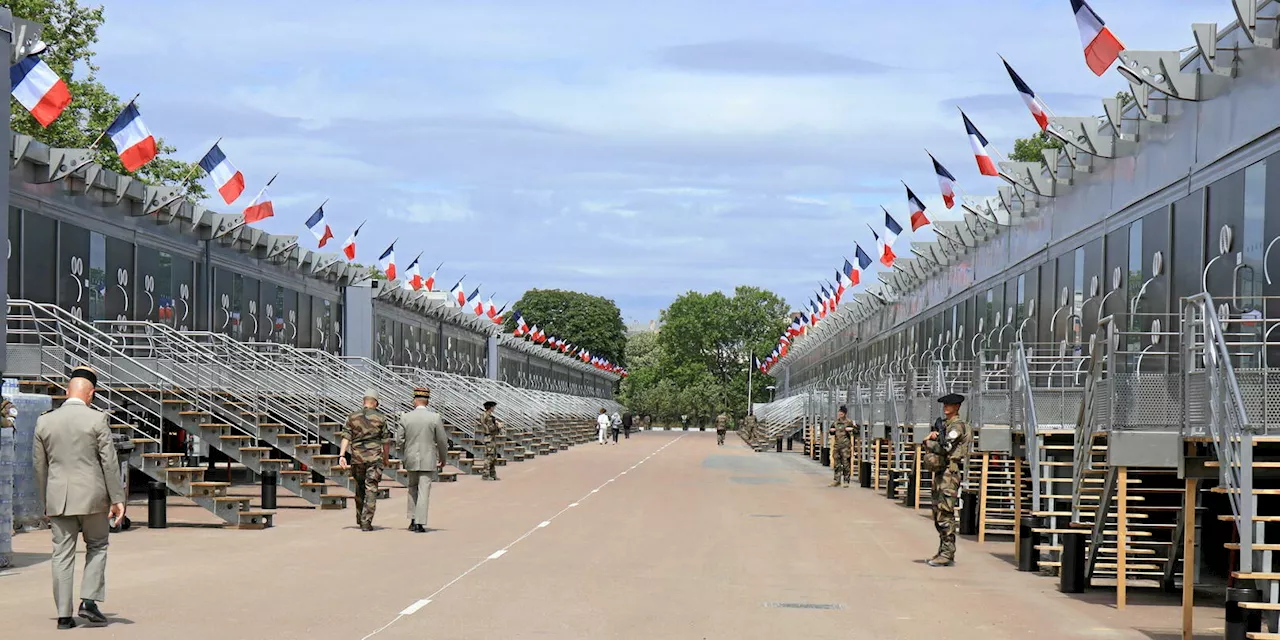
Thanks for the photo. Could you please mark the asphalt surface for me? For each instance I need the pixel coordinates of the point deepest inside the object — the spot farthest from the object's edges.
(665, 535)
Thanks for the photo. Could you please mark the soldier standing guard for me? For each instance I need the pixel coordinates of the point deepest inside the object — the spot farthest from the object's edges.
(945, 452)
(722, 425)
(841, 450)
(365, 434)
(490, 428)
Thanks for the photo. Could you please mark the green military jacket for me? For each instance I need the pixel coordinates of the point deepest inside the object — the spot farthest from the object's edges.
(958, 439)
(722, 422)
(367, 432)
(489, 427)
(843, 431)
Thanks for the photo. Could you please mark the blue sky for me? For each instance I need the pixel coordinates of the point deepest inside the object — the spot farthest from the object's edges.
(632, 150)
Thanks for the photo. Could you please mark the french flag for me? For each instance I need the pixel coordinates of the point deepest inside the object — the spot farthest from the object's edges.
(841, 285)
(891, 228)
(887, 255)
(1039, 110)
(39, 89)
(918, 218)
(226, 177)
(851, 275)
(458, 293)
(946, 183)
(497, 317)
(864, 260)
(981, 148)
(521, 327)
(318, 227)
(387, 262)
(132, 138)
(478, 305)
(414, 281)
(260, 209)
(349, 247)
(430, 282)
(1101, 47)
(492, 309)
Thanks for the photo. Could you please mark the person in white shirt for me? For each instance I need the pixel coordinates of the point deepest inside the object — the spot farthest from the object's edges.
(602, 424)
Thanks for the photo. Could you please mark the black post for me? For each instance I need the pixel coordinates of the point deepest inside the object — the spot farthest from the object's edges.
(968, 513)
(269, 490)
(791, 442)
(890, 486)
(1028, 554)
(157, 516)
(826, 456)
(1240, 621)
(910, 497)
(1071, 577)
(780, 444)
(864, 474)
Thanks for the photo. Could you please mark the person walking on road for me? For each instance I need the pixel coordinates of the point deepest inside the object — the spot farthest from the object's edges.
(627, 421)
(426, 446)
(722, 426)
(490, 428)
(616, 423)
(841, 432)
(602, 424)
(945, 452)
(78, 475)
(366, 436)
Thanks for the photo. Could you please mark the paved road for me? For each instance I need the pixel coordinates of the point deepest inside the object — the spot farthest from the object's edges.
(663, 536)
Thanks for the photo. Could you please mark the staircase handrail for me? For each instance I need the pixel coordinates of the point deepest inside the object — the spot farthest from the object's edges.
(1030, 425)
(1086, 425)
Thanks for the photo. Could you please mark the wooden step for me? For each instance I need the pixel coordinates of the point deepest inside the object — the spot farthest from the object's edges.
(163, 455)
(1261, 635)
(1231, 518)
(1255, 576)
(212, 485)
(236, 438)
(1256, 546)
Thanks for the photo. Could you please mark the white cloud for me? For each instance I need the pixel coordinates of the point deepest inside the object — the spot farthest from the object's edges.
(428, 212)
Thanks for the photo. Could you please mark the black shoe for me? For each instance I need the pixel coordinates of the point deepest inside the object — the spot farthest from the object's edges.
(413, 526)
(66, 623)
(89, 611)
(417, 528)
(366, 527)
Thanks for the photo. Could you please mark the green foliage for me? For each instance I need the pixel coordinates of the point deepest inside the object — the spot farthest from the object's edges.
(1028, 149)
(697, 364)
(71, 30)
(590, 322)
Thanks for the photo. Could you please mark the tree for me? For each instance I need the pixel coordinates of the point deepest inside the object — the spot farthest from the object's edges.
(71, 30)
(1029, 149)
(590, 322)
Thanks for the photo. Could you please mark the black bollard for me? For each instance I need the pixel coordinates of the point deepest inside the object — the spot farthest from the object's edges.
(890, 487)
(157, 495)
(968, 514)
(1240, 621)
(1071, 576)
(826, 456)
(1028, 554)
(780, 444)
(791, 443)
(269, 490)
(910, 498)
(864, 474)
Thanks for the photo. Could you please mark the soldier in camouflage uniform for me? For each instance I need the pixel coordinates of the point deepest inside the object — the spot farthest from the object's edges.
(722, 426)
(366, 436)
(8, 414)
(841, 431)
(489, 427)
(945, 452)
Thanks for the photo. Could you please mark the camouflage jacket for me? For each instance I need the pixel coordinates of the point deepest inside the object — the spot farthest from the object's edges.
(367, 432)
(489, 427)
(8, 413)
(843, 431)
(722, 422)
(959, 437)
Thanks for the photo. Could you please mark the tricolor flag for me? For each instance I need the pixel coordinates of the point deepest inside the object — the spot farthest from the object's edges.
(477, 305)
(891, 228)
(225, 176)
(853, 276)
(864, 260)
(39, 89)
(498, 317)
(521, 327)
(886, 251)
(319, 228)
(349, 247)
(491, 309)
(1101, 47)
(458, 293)
(430, 282)
(414, 279)
(260, 209)
(387, 261)
(981, 148)
(794, 329)
(840, 285)
(132, 138)
(918, 218)
(946, 183)
(813, 308)
(533, 333)
(1039, 110)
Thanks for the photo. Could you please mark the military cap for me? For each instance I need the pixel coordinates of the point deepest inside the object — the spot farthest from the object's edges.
(490, 404)
(372, 393)
(422, 392)
(86, 373)
(951, 398)
(844, 409)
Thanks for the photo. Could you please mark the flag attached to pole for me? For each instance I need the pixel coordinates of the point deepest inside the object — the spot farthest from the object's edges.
(133, 140)
(1039, 110)
(981, 148)
(918, 218)
(225, 176)
(864, 260)
(349, 247)
(946, 183)
(1101, 47)
(414, 275)
(387, 261)
(260, 209)
(851, 274)
(886, 250)
(458, 293)
(38, 88)
(318, 227)
(430, 282)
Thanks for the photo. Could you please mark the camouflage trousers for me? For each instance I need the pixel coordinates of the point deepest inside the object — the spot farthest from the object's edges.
(946, 501)
(720, 436)
(840, 464)
(490, 462)
(365, 477)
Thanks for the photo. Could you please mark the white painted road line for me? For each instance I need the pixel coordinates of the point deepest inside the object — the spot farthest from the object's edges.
(413, 608)
(497, 554)
(544, 523)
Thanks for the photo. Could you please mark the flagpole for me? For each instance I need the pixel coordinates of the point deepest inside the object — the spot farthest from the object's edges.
(195, 165)
(104, 131)
(750, 365)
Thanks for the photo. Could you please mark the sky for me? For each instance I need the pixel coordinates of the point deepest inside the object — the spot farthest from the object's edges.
(633, 150)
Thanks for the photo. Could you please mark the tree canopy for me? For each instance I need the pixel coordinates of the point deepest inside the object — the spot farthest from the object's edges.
(591, 322)
(697, 363)
(71, 30)
(1029, 149)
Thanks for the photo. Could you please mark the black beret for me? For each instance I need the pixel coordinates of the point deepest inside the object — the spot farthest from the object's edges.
(951, 398)
(844, 409)
(490, 404)
(86, 373)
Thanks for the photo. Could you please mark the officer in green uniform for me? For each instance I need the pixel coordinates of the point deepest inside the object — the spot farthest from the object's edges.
(489, 427)
(722, 426)
(944, 453)
(842, 448)
(366, 436)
